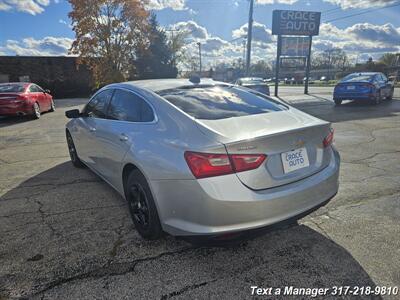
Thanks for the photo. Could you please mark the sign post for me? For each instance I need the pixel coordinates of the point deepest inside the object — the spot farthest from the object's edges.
(277, 65)
(298, 23)
(308, 67)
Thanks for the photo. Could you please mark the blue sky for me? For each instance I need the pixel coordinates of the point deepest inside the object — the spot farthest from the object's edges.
(42, 27)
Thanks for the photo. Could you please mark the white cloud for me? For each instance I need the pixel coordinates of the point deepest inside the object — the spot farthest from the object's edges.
(32, 7)
(260, 33)
(194, 30)
(359, 39)
(162, 4)
(347, 4)
(48, 46)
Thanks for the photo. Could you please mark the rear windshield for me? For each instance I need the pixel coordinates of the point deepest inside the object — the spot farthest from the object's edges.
(220, 102)
(252, 81)
(11, 88)
(358, 77)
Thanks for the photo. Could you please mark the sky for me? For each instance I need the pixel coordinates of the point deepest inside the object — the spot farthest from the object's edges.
(363, 28)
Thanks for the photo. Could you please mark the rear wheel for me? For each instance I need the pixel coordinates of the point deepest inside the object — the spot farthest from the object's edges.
(142, 207)
(72, 152)
(52, 106)
(378, 97)
(338, 102)
(390, 97)
(36, 110)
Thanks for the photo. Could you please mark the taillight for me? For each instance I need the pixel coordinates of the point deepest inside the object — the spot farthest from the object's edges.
(245, 162)
(328, 140)
(205, 165)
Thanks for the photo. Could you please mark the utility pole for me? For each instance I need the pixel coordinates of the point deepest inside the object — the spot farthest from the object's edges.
(249, 37)
(244, 54)
(199, 44)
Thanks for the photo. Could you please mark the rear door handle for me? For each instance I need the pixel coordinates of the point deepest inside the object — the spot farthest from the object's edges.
(123, 137)
(92, 129)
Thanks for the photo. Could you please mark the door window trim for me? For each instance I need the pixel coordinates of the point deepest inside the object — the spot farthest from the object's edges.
(155, 117)
(107, 106)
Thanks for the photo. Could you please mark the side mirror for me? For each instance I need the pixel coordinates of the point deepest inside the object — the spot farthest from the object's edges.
(47, 91)
(73, 114)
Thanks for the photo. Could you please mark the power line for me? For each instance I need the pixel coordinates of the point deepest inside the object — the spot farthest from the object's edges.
(361, 13)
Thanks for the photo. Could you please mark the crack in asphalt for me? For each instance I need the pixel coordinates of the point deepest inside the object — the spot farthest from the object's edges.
(186, 289)
(108, 270)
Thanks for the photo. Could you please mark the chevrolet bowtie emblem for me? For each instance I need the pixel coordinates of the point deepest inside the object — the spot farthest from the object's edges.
(299, 143)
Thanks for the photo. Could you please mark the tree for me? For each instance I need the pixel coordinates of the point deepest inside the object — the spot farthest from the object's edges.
(389, 59)
(330, 59)
(260, 68)
(108, 35)
(156, 59)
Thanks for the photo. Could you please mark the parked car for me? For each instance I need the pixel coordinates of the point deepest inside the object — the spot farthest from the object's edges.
(254, 83)
(365, 86)
(21, 98)
(204, 158)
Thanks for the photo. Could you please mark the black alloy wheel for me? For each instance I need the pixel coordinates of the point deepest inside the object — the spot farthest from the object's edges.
(72, 152)
(141, 205)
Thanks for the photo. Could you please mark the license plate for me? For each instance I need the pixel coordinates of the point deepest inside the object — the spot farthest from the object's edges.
(351, 87)
(294, 160)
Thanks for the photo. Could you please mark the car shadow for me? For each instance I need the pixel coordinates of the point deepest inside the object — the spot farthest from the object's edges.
(65, 225)
(13, 120)
(324, 108)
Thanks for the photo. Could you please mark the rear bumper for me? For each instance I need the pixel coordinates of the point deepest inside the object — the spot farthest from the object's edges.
(15, 111)
(223, 204)
(351, 96)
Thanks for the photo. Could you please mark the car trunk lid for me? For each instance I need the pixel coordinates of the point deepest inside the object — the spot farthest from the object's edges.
(351, 87)
(10, 99)
(275, 135)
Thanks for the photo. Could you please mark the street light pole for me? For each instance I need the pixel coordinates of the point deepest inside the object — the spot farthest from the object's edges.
(249, 37)
(199, 44)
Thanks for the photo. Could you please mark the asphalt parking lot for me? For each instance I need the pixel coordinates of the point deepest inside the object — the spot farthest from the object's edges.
(64, 233)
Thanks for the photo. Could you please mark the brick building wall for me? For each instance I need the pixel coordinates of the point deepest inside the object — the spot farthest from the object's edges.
(58, 74)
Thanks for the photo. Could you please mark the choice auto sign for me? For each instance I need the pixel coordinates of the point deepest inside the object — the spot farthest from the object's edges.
(290, 22)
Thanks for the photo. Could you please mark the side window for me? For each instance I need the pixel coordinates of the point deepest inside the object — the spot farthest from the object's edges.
(127, 106)
(97, 107)
(384, 78)
(33, 89)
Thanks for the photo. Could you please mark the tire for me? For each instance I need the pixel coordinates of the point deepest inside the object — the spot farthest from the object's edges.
(72, 152)
(53, 106)
(36, 111)
(378, 97)
(141, 205)
(390, 97)
(338, 102)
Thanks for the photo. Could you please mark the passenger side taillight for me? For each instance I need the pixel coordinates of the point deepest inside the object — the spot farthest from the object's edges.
(245, 162)
(205, 165)
(328, 140)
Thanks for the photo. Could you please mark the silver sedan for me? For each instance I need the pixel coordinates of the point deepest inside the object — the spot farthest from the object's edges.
(204, 158)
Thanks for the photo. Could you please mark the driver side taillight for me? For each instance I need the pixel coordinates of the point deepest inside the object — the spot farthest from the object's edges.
(328, 140)
(205, 165)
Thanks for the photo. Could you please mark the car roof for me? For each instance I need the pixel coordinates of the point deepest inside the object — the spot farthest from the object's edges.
(157, 85)
(365, 73)
(250, 78)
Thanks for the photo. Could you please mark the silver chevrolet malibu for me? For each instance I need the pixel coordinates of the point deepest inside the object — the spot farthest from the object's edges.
(203, 157)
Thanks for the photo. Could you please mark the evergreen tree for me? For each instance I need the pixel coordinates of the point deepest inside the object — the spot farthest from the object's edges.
(156, 60)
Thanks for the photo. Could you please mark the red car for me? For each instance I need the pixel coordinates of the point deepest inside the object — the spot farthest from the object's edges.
(22, 98)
